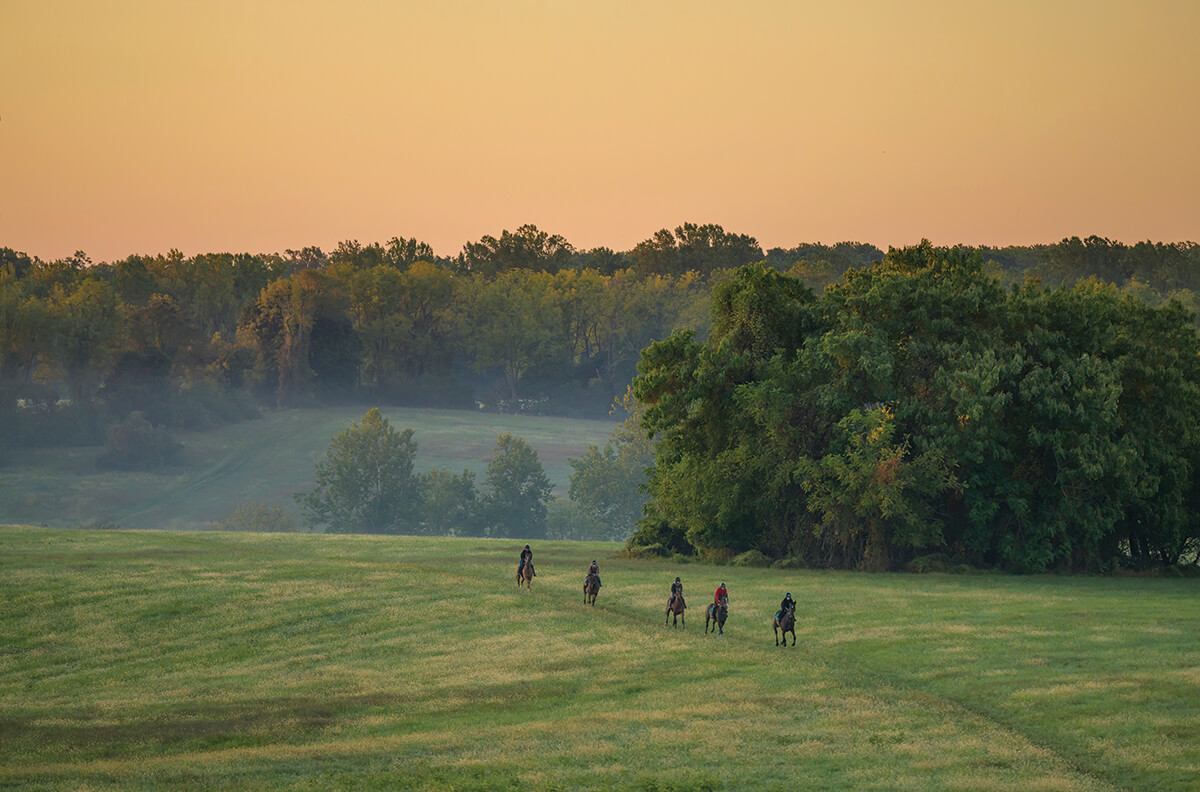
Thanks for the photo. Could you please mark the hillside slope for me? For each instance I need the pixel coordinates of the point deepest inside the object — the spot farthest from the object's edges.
(264, 460)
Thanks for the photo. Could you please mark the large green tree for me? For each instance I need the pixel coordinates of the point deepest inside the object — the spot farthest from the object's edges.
(916, 408)
(517, 490)
(365, 483)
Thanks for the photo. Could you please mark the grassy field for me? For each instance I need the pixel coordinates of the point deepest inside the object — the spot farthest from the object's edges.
(263, 461)
(149, 660)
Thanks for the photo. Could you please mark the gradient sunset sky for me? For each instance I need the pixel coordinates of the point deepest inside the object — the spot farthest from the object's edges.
(255, 125)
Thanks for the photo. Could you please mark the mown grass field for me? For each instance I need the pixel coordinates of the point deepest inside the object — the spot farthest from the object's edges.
(263, 461)
(151, 660)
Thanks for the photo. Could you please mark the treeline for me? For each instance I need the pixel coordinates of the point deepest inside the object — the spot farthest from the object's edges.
(920, 415)
(520, 322)
(523, 321)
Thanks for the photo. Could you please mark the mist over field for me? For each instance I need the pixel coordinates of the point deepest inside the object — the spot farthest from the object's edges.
(265, 461)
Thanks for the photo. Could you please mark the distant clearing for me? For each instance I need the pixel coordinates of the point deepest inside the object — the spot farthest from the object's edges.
(264, 460)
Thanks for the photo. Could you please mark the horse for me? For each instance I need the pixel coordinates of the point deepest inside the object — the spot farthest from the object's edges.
(717, 613)
(525, 574)
(676, 607)
(785, 623)
(591, 587)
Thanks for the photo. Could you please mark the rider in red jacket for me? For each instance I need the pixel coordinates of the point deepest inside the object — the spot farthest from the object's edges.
(720, 592)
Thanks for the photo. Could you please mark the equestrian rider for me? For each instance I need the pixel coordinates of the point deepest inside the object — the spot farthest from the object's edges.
(526, 557)
(594, 569)
(720, 592)
(786, 603)
(676, 591)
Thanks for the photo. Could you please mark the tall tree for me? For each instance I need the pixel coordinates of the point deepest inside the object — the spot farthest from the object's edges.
(365, 483)
(527, 248)
(87, 329)
(694, 248)
(517, 490)
(511, 324)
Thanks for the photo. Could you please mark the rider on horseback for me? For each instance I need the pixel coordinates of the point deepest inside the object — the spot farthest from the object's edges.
(720, 592)
(594, 569)
(526, 557)
(676, 591)
(786, 603)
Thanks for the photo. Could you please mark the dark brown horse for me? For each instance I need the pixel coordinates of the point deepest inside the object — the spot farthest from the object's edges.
(676, 607)
(716, 613)
(526, 574)
(786, 623)
(591, 587)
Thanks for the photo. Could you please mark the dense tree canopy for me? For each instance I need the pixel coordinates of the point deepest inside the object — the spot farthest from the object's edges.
(917, 409)
(518, 321)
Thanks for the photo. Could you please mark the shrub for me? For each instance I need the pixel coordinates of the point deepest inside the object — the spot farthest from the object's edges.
(790, 562)
(566, 519)
(655, 550)
(752, 558)
(717, 555)
(260, 518)
(451, 504)
(934, 562)
(135, 444)
(652, 531)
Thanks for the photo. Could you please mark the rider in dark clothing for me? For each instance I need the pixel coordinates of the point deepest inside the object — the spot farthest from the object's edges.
(526, 556)
(676, 590)
(594, 569)
(786, 603)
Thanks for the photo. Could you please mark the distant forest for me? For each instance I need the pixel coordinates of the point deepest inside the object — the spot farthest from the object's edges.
(520, 322)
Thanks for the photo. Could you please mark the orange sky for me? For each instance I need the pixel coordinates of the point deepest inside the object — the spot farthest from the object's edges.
(256, 125)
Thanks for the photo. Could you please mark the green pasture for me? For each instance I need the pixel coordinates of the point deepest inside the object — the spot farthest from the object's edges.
(207, 660)
(263, 461)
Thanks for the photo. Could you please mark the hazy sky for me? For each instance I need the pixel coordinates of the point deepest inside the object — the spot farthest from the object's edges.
(254, 125)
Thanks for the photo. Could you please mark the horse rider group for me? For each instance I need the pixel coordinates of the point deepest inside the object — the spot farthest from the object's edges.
(676, 587)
